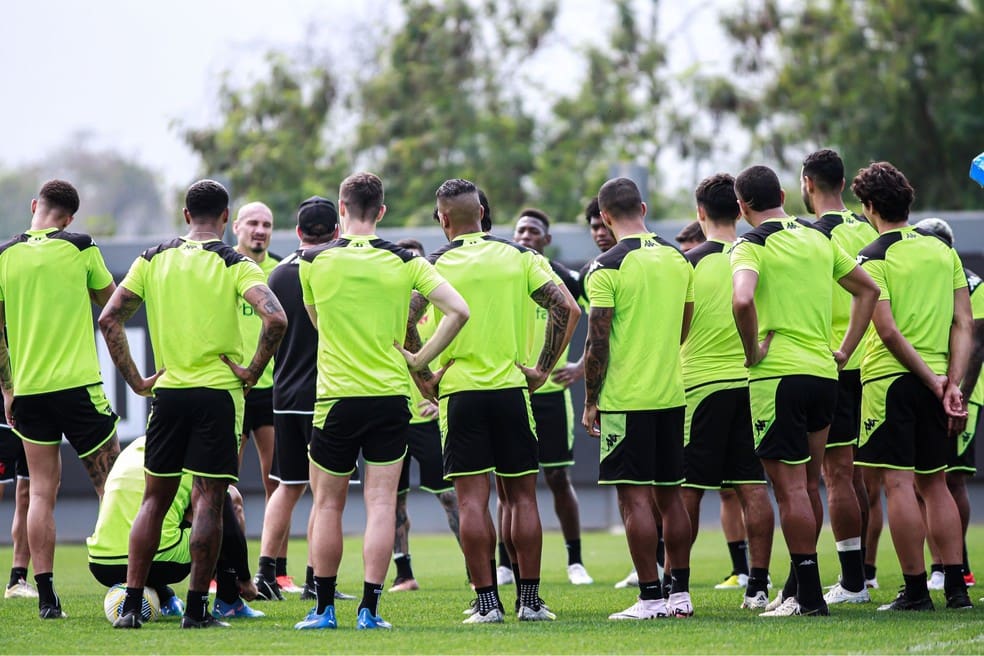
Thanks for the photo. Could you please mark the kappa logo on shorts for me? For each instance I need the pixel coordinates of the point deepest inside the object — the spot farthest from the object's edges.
(611, 440)
(760, 426)
(869, 424)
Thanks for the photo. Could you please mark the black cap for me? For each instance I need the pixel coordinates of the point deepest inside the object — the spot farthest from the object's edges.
(317, 216)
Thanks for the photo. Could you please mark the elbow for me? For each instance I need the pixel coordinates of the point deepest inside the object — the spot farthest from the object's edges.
(463, 315)
(106, 323)
(575, 312)
(741, 305)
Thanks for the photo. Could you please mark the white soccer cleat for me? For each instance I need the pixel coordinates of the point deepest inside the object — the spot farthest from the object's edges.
(630, 581)
(787, 608)
(777, 602)
(494, 616)
(643, 609)
(759, 602)
(732, 582)
(542, 614)
(577, 575)
(680, 605)
(935, 581)
(503, 575)
(871, 584)
(839, 595)
(21, 589)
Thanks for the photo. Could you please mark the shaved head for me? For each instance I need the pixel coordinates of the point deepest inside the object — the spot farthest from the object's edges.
(458, 200)
(256, 208)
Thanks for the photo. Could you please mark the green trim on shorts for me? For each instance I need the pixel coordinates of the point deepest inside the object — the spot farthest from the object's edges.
(518, 474)
(153, 473)
(731, 484)
(328, 471)
(213, 477)
(872, 465)
(390, 462)
(835, 445)
(962, 469)
(450, 488)
(39, 442)
(112, 434)
(557, 465)
(695, 395)
(792, 463)
(479, 472)
(695, 486)
(669, 483)
(930, 471)
(569, 413)
(626, 482)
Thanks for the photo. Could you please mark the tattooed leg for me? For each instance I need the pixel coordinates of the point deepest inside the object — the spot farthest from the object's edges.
(401, 537)
(98, 464)
(449, 501)
(208, 498)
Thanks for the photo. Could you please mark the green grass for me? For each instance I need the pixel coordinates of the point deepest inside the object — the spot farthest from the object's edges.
(428, 621)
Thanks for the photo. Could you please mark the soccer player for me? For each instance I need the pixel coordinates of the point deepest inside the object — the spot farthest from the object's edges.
(911, 374)
(719, 449)
(822, 185)
(50, 378)
(641, 295)
(294, 375)
(690, 237)
(194, 281)
(782, 303)
(553, 411)
(424, 446)
(108, 544)
(13, 469)
(357, 290)
(485, 410)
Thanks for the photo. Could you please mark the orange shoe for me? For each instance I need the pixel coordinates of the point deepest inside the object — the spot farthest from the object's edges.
(287, 584)
(404, 585)
(969, 579)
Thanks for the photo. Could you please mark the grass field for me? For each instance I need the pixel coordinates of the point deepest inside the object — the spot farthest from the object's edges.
(428, 621)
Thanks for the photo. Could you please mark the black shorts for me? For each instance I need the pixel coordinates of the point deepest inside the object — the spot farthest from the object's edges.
(963, 454)
(785, 410)
(81, 414)
(424, 446)
(489, 431)
(13, 464)
(846, 424)
(719, 450)
(642, 447)
(553, 413)
(290, 447)
(903, 426)
(160, 574)
(374, 425)
(194, 430)
(259, 410)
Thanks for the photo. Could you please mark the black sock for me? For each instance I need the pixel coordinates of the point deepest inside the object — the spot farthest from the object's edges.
(667, 581)
(403, 569)
(495, 580)
(529, 593)
(869, 571)
(789, 587)
(16, 574)
(936, 567)
(739, 557)
(226, 587)
(164, 594)
(281, 567)
(324, 588)
(953, 580)
(197, 606)
(504, 556)
(915, 586)
(679, 579)
(267, 568)
(809, 592)
(661, 550)
(133, 601)
(966, 561)
(370, 596)
(650, 590)
(309, 577)
(488, 599)
(573, 551)
(758, 580)
(46, 588)
(852, 570)
(516, 579)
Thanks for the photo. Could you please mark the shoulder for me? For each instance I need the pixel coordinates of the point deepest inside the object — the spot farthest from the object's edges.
(506, 242)
(228, 254)
(878, 249)
(80, 240)
(273, 256)
(698, 253)
(309, 254)
(402, 253)
(759, 235)
(926, 233)
(13, 241)
(613, 258)
(828, 222)
(154, 251)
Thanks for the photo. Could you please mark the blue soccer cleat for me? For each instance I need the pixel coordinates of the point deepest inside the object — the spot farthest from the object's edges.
(173, 607)
(224, 610)
(369, 621)
(314, 621)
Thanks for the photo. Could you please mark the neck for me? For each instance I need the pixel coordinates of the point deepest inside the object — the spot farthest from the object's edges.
(359, 227)
(756, 218)
(256, 257)
(205, 230)
(823, 204)
(721, 231)
(46, 221)
(456, 231)
(884, 226)
(625, 227)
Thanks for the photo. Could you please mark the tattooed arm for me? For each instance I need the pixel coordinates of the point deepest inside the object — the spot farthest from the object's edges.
(455, 310)
(563, 313)
(425, 379)
(6, 375)
(596, 355)
(120, 307)
(274, 319)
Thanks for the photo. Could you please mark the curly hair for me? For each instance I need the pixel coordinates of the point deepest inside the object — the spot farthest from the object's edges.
(886, 190)
(716, 195)
(61, 195)
(206, 199)
(825, 168)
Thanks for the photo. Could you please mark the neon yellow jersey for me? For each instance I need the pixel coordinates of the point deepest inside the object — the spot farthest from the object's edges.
(496, 278)
(917, 273)
(109, 543)
(45, 278)
(426, 327)
(713, 351)
(977, 307)
(360, 286)
(647, 282)
(251, 325)
(191, 290)
(795, 263)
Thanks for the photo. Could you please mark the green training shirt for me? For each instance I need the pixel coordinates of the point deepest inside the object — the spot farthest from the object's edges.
(191, 290)
(852, 233)
(45, 278)
(109, 543)
(713, 351)
(977, 307)
(496, 278)
(251, 325)
(917, 273)
(795, 263)
(648, 283)
(360, 286)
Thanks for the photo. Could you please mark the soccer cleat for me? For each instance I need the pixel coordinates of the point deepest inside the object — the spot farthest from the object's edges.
(239, 609)
(472, 607)
(503, 575)
(308, 593)
(935, 581)
(287, 584)
(871, 584)
(20, 589)
(208, 622)
(343, 596)
(404, 585)
(369, 621)
(786, 608)
(325, 620)
(541, 614)
(643, 609)
(679, 605)
(732, 582)
(839, 595)
(51, 612)
(577, 575)
(902, 602)
(959, 601)
(777, 602)
(630, 581)
(759, 602)
(819, 611)
(129, 620)
(494, 616)
(173, 607)
(267, 590)
(969, 579)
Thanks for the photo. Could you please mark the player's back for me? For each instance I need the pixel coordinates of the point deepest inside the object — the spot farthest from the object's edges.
(294, 370)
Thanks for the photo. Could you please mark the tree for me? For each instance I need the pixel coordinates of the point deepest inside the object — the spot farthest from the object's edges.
(896, 80)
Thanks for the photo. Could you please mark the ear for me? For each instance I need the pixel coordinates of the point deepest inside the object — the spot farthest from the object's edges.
(334, 235)
(297, 229)
(808, 184)
(34, 205)
(607, 220)
(224, 217)
(548, 238)
(342, 210)
(701, 216)
(843, 184)
(645, 208)
(782, 197)
(187, 216)
(743, 206)
(382, 211)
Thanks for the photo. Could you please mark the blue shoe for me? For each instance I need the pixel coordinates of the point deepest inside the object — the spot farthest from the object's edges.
(369, 621)
(173, 608)
(314, 621)
(223, 610)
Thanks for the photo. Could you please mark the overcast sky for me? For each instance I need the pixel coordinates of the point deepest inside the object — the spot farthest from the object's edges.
(122, 71)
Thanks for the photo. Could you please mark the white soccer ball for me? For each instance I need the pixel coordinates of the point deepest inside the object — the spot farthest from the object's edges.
(150, 609)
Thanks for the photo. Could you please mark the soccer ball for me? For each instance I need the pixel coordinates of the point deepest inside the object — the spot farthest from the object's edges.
(150, 609)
